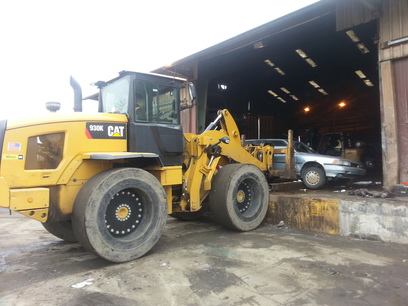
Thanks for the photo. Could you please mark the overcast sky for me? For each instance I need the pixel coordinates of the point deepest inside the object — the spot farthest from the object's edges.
(44, 42)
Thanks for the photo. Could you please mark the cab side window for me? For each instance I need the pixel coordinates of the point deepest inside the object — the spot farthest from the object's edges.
(155, 103)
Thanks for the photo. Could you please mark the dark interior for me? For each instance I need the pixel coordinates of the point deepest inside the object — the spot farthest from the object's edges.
(240, 81)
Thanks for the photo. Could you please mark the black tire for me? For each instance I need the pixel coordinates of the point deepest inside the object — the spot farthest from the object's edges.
(191, 216)
(314, 177)
(239, 197)
(120, 214)
(62, 230)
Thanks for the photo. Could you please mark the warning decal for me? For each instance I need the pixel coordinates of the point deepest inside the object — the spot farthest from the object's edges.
(103, 130)
(13, 156)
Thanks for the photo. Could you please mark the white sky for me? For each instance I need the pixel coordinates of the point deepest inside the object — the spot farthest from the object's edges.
(44, 42)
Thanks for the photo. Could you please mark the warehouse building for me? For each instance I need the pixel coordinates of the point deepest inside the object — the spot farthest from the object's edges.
(334, 66)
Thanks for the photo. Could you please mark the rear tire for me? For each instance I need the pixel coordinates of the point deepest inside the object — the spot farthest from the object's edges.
(62, 230)
(120, 214)
(239, 197)
(314, 177)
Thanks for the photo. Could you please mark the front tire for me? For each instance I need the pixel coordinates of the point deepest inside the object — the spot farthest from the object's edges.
(239, 197)
(314, 177)
(62, 230)
(120, 214)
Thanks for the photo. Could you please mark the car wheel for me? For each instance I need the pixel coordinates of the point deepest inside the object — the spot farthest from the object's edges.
(313, 177)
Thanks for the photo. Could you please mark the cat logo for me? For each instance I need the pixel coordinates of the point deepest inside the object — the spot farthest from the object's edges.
(116, 131)
(104, 130)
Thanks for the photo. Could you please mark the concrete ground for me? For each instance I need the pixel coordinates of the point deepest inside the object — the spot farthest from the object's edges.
(201, 263)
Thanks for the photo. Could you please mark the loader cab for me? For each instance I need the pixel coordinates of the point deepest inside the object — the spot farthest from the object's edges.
(152, 104)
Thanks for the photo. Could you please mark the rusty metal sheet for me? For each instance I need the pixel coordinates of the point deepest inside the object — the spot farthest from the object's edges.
(400, 75)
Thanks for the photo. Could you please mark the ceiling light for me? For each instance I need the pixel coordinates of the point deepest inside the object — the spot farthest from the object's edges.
(278, 70)
(323, 91)
(301, 53)
(314, 84)
(310, 62)
(306, 109)
(368, 82)
(362, 48)
(272, 93)
(294, 97)
(360, 74)
(269, 63)
(342, 104)
(285, 90)
(280, 99)
(352, 36)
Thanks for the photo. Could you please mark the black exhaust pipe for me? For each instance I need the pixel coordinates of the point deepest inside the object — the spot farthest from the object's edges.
(77, 94)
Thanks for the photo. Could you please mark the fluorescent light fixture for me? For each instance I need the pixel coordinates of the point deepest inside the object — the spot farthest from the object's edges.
(272, 93)
(310, 62)
(294, 97)
(285, 90)
(360, 74)
(323, 91)
(280, 99)
(362, 48)
(222, 86)
(314, 84)
(269, 63)
(301, 53)
(353, 36)
(278, 70)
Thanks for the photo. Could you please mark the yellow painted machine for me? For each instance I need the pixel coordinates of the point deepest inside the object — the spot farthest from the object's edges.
(108, 180)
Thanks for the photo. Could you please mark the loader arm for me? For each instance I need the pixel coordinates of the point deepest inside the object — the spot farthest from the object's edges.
(206, 153)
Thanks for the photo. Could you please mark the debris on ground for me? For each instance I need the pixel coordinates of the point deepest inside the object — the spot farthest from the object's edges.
(363, 192)
(281, 224)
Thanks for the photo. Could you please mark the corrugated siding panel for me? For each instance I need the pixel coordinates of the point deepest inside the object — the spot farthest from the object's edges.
(393, 25)
(400, 69)
(350, 13)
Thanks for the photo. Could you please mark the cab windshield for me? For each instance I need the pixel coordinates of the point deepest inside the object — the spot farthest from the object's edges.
(115, 96)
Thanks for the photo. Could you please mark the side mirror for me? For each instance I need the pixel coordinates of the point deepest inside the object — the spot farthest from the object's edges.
(192, 91)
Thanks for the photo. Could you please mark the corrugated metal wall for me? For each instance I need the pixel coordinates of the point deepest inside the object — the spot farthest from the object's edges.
(393, 26)
(400, 69)
(393, 53)
(350, 13)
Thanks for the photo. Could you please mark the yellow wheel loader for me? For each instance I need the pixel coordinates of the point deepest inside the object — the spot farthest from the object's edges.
(108, 180)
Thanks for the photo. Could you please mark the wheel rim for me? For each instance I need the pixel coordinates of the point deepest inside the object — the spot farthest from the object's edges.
(243, 197)
(124, 213)
(312, 177)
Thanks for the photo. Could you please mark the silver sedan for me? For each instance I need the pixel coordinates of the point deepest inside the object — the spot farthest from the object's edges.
(313, 168)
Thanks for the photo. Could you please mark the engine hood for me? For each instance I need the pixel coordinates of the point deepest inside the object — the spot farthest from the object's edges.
(69, 117)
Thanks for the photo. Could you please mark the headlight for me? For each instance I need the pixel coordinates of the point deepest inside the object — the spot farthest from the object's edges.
(342, 162)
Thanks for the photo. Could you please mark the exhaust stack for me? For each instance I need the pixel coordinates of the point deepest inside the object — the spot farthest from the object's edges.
(77, 94)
